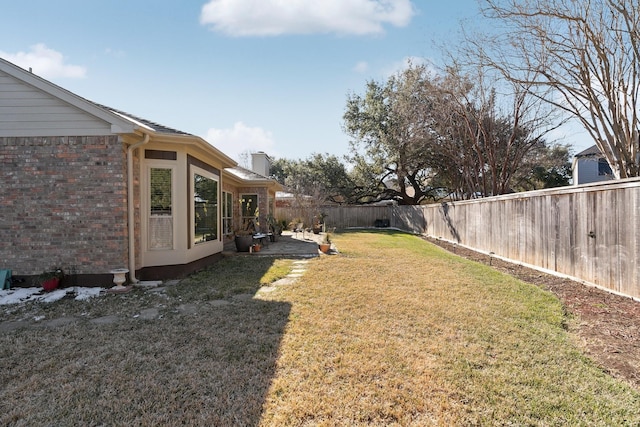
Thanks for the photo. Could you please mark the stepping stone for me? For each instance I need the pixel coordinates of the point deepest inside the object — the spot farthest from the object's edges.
(267, 289)
(11, 326)
(149, 314)
(60, 321)
(188, 308)
(284, 281)
(219, 303)
(104, 320)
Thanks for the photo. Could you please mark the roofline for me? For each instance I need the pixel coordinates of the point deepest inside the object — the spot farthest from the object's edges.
(268, 182)
(119, 125)
(186, 139)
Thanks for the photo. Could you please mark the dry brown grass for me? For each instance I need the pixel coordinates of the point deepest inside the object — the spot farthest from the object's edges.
(393, 331)
(205, 358)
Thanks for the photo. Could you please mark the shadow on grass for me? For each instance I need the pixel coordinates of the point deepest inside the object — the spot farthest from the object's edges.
(207, 358)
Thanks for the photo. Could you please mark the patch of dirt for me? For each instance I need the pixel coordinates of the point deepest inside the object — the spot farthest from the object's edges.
(607, 325)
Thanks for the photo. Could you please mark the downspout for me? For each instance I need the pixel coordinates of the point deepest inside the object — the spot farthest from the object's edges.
(131, 210)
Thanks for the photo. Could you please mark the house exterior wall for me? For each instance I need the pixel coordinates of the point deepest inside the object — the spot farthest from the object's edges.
(586, 170)
(184, 161)
(30, 111)
(63, 203)
(137, 209)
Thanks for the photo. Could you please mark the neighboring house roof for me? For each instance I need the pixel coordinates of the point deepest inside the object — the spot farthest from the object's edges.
(592, 151)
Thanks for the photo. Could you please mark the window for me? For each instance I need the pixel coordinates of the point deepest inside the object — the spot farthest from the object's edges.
(604, 168)
(205, 208)
(160, 234)
(249, 210)
(227, 213)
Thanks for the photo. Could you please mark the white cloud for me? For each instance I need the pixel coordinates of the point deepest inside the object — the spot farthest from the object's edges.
(278, 17)
(361, 67)
(240, 139)
(45, 62)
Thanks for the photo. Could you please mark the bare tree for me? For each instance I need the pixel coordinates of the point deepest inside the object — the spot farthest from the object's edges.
(487, 134)
(582, 56)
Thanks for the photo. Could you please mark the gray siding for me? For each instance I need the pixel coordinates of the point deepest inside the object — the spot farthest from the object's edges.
(27, 111)
(587, 171)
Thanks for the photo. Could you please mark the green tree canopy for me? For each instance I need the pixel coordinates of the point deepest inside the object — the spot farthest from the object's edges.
(392, 135)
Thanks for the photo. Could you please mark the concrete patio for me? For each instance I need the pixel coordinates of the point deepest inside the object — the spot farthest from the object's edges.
(300, 244)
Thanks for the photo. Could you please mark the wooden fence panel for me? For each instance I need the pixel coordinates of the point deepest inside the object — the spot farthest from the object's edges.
(587, 232)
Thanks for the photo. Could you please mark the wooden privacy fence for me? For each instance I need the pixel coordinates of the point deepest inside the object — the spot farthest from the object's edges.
(341, 217)
(587, 232)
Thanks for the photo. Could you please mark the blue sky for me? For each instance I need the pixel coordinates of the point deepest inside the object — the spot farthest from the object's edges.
(246, 75)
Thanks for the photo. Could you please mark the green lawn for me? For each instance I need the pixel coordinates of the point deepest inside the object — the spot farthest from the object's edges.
(398, 331)
(393, 331)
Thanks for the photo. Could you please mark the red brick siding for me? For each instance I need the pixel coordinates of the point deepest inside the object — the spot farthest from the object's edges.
(63, 202)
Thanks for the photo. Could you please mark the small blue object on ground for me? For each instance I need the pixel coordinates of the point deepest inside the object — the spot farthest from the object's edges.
(5, 279)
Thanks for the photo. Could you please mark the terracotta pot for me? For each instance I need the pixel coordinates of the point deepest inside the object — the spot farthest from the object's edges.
(324, 247)
(50, 284)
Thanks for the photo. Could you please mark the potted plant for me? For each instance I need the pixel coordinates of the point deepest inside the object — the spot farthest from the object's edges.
(49, 280)
(325, 244)
(275, 228)
(244, 240)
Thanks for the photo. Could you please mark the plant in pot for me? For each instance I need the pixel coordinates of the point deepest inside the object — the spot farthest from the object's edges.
(275, 228)
(244, 236)
(244, 240)
(49, 280)
(325, 244)
(318, 226)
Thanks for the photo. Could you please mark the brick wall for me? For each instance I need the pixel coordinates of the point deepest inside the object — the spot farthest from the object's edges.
(63, 203)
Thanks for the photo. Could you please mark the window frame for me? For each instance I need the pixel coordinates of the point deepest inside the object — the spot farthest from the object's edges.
(245, 219)
(227, 213)
(149, 216)
(195, 170)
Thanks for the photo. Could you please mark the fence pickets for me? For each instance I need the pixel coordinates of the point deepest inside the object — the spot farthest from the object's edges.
(588, 232)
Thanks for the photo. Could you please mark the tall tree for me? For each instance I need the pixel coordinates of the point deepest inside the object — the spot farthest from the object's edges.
(544, 167)
(391, 130)
(583, 57)
(323, 177)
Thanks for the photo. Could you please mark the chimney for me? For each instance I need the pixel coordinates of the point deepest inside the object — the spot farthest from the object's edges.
(261, 164)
